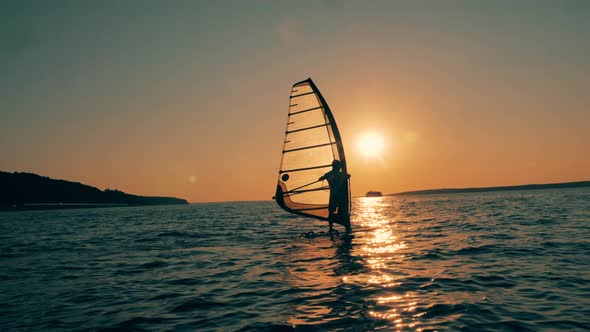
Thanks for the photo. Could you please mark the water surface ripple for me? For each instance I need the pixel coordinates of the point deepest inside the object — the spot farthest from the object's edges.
(504, 261)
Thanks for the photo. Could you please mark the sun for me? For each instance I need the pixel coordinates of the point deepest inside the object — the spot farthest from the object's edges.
(371, 144)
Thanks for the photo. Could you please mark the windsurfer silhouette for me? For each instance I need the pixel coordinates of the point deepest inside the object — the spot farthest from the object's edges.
(337, 180)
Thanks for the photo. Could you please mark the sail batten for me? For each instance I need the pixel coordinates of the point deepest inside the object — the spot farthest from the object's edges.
(303, 94)
(307, 128)
(312, 141)
(307, 110)
(304, 169)
(309, 147)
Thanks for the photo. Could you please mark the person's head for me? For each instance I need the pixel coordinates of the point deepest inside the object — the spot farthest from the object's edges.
(336, 165)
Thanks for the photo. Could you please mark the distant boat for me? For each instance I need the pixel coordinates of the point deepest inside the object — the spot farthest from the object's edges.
(373, 194)
(312, 142)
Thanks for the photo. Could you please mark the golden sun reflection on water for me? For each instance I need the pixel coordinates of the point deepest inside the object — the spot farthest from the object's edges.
(370, 275)
(380, 251)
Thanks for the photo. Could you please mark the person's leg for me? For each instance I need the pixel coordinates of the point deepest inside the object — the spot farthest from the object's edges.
(331, 210)
(343, 207)
(348, 228)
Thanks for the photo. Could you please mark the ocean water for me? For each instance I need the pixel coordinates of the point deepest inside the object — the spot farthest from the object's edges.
(503, 261)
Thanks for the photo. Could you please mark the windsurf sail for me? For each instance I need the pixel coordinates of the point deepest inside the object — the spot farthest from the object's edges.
(312, 143)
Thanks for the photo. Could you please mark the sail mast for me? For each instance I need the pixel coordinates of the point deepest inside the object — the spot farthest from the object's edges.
(334, 127)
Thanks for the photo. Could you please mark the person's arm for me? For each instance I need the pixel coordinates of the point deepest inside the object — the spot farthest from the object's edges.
(323, 177)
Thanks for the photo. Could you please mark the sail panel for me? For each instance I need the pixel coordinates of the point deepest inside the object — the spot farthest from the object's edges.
(302, 101)
(302, 87)
(306, 119)
(310, 147)
(315, 135)
(307, 158)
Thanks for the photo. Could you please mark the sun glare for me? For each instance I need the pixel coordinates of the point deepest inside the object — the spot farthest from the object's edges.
(370, 144)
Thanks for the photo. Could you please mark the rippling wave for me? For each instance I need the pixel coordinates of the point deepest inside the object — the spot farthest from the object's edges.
(503, 261)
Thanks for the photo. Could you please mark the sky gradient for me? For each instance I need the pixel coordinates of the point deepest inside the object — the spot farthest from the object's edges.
(190, 98)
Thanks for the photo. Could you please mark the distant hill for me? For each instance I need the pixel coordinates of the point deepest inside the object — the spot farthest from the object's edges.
(32, 191)
(578, 184)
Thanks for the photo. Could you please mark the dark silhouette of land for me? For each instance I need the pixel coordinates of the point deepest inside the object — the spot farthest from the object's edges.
(28, 191)
(578, 184)
(373, 194)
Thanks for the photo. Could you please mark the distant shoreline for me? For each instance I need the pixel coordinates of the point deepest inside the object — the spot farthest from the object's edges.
(54, 206)
(578, 184)
(65, 206)
(28, 191)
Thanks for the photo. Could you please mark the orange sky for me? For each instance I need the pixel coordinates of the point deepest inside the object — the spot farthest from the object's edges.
(190, 100)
